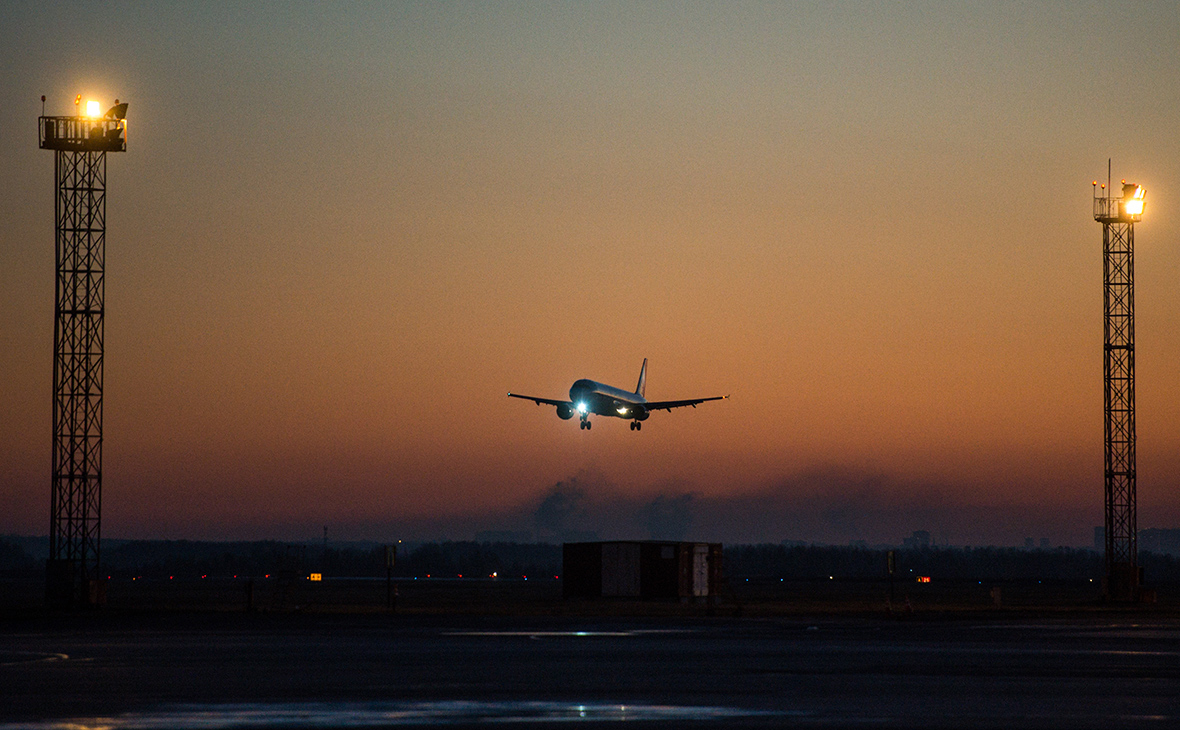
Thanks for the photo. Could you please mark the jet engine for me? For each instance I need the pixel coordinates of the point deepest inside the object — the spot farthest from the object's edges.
(639, 413)
(565, 411)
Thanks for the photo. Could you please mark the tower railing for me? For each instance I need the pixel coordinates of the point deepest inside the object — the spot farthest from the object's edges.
(82, 134)
(1112, 210)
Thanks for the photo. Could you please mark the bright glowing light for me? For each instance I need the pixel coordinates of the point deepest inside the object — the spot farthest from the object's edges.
(622, 410)
(316, 577)
(92, 109)
(581, 408)
(1133, 199)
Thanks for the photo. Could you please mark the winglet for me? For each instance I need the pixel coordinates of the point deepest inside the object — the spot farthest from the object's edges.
(639, 389)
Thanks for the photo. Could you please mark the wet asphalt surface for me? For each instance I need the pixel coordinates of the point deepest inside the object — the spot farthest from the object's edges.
(290, 670)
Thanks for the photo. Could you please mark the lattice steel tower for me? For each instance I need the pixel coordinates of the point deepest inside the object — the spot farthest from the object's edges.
(1118, 217)
(80, 144)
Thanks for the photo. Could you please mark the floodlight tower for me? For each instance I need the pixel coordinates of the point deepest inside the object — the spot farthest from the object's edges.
(1118, 217)
(80, 144)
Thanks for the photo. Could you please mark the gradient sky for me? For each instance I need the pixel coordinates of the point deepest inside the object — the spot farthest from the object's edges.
(342, 232)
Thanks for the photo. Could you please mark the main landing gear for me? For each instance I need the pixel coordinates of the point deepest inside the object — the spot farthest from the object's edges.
(636, 425)
(585, 424)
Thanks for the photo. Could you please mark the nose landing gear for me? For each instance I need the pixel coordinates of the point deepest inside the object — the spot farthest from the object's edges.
(585, 424)
(636, 425)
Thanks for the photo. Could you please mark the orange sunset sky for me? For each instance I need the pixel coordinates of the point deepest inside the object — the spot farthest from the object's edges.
(341, 233)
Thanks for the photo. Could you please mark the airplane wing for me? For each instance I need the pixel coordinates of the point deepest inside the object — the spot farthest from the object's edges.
(668, 405)
(541, 401)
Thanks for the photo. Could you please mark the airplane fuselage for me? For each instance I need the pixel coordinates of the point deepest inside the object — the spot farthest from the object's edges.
(589, 396)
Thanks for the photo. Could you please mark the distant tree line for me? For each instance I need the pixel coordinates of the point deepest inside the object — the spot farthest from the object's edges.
(193, 559)
(945, 563)
(482, 559)
(13, 557)
(442, 559)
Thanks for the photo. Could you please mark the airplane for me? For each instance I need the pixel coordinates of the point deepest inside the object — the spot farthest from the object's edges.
(588, 396)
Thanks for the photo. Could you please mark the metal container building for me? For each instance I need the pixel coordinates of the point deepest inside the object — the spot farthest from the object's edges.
(644, 570)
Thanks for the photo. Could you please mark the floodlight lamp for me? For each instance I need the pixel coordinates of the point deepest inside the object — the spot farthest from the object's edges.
(92, 109)
(1133, 199)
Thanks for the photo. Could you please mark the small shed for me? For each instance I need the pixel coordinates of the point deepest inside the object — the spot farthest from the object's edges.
(645, 570)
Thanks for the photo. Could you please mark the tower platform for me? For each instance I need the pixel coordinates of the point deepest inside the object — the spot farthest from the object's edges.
(83, 134)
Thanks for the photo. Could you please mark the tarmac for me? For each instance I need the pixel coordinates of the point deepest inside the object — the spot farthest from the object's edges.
(218, 669)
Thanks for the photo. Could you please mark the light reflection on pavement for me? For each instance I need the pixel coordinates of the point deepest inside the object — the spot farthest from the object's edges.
(383, 714)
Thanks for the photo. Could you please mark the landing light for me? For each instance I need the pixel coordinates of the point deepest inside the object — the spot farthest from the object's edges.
(622, 411)
(581, 408)
(92, 109)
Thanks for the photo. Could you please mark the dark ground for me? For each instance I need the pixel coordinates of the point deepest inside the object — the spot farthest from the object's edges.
(512, 653)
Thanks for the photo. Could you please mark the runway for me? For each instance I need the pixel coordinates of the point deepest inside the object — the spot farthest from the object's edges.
(291, 671)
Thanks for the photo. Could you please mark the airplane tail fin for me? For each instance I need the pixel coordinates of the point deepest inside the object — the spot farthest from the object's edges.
(642, 387)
